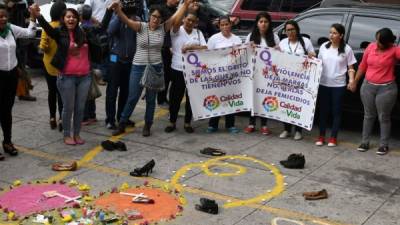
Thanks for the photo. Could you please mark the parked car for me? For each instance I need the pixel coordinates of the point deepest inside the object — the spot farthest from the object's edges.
(361, 24)
(34, 54)
(280, 10)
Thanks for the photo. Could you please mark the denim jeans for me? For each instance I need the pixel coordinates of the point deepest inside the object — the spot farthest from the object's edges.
(330, 99)
(378, 101)
(73, 91)
(119, 79)
(135, 91)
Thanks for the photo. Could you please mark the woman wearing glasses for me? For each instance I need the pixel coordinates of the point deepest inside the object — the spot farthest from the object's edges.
(149, 41)
(295, 43)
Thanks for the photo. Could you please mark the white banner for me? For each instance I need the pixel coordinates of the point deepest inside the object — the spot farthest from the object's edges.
(219, 81)
(285, 86)
(266, 81)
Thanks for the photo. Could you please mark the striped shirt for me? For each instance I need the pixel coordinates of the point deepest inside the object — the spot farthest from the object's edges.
(144, 51)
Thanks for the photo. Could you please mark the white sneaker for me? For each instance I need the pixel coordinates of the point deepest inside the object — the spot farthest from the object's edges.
(297, 136)
(284, 134)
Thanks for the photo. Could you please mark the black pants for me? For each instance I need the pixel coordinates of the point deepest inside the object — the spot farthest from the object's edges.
(118, 80)
(176, 93)
(167, 60)
(229, 121)
(90, 109)
(288, 128)
(53, 96)
(252, 121)
(8, 88)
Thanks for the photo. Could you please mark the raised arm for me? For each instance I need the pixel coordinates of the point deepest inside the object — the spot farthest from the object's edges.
(175, 20)
(135, 25)
(29, 32)
(35, 12)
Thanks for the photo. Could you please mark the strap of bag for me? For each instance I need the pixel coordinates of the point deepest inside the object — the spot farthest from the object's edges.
(148, 43)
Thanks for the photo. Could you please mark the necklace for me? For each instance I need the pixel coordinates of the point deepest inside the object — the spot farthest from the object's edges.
(290, 48)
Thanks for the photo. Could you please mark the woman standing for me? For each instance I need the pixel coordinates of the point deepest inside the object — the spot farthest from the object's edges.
(262, 35)
(49, 48)
(8, 73)
(379, 89)
(149, 41)
(337, 59)
(295, 43)
(184, 38)
(223, 39)
(72, 60)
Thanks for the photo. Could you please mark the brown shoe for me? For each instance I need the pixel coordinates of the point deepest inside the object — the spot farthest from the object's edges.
(146, 130)
(316, 195)
(65, 166)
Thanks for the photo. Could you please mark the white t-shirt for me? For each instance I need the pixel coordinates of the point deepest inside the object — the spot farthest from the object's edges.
(263, 41)
(296, 48)
(220, 41)
(179, 40)
(334, 65)
(98, 8)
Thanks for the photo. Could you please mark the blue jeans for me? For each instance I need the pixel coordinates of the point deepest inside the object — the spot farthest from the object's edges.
(73, 91)
(330, 100)
(135, 91)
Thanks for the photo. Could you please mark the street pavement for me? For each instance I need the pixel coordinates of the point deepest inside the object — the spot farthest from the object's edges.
(363, 188)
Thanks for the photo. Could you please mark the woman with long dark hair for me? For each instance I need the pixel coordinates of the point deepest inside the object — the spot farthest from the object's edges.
(295, 43)
(149, 41)
(337, 59)
(72, 59)
(262, 35)
(223, 39)
(8, 73)
(379, 89)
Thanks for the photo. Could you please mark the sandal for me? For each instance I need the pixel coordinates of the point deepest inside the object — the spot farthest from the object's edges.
(10, 149)
(65, 166)
(316, 195)
(212, 151)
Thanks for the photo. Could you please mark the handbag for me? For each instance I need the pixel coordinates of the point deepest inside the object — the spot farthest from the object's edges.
(152, 79)
(94, 90)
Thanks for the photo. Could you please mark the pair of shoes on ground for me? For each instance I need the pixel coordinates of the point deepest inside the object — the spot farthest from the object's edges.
(382, 150)
(74, 141)
(250, 129)
(207, 205)
(232, 130)
(332, 142)
(172, 127)
(316, 195)
(297, 135)
(9, 149)
(111, 146)
(294, 161)
(65, 166)
(54, 124)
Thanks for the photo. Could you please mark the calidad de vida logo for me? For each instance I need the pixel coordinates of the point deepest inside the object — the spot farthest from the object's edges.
(212, 102)
(271, 104)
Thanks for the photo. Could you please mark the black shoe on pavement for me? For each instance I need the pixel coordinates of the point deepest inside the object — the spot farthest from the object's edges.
(383, 150)
(294, 161)
(27, 98)
(363, 147)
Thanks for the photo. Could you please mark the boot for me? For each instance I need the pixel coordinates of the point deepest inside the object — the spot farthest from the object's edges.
(146, 130)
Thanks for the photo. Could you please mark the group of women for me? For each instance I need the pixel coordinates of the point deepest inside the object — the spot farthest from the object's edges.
(71, 60)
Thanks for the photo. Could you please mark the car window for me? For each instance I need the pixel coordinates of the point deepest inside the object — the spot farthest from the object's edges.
(297, 5)
(261, 5)
(363, 29)
(317, 27)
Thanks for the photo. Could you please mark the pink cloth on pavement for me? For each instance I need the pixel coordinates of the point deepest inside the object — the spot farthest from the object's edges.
(29, 199)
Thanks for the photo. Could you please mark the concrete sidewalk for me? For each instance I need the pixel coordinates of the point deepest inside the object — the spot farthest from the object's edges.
(363, 188)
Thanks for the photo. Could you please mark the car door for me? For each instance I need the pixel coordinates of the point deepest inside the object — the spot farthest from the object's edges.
(362, 29)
